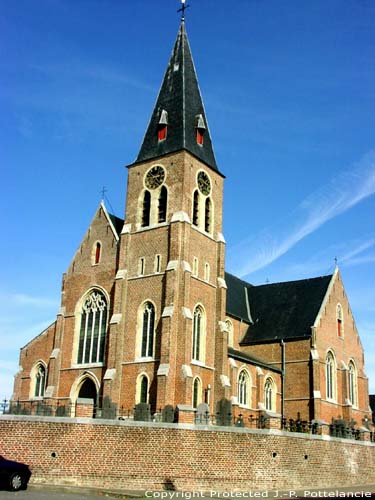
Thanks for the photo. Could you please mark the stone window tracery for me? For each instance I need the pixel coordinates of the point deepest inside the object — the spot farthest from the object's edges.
(92, 329)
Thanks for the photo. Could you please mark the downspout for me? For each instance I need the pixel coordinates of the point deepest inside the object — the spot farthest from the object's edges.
(282, 344)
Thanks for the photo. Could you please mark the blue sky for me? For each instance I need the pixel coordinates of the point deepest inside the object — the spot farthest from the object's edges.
(289, 90)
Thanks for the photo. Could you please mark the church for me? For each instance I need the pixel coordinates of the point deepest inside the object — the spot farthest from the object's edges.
(150, 316)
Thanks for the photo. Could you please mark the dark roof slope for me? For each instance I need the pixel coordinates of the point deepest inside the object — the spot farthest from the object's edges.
(118, 223)
(236, 297)
(180, 97)
(284, 310)
(247, 358)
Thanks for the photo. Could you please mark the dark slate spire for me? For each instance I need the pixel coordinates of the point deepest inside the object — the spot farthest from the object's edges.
(179, 108)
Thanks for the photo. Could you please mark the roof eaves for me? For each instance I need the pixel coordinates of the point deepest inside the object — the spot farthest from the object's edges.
(109, 221)
(240, 356)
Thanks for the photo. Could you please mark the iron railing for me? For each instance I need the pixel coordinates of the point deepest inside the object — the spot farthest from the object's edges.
(338, 428)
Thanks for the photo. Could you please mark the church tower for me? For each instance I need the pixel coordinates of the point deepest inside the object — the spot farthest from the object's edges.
(167, 343)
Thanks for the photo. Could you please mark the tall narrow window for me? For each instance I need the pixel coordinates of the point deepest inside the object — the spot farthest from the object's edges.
(141, 266)
(93, 329)
(197, 392)
(352, 384)
(198, 334)
(194, 271)
(157, 263)
(98, 249)
(163, 198)
(339, 320)
(148, 325)
(207, 216)
(146, 209)
(243, 388)
(40, 381)
(195, 208)
(330, 376)
(143, 396)
(269, 394)
(207, 271)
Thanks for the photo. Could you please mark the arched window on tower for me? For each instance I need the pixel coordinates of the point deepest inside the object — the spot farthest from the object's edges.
(196, 208)
(93, 329)
(40, 381)
(148, 327)
(146, 209)
(207, 216)
(197, 392)
(143, 390)
(198, 334)
(163, 201)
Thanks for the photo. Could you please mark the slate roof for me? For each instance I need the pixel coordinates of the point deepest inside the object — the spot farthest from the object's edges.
(236, 297)
(180, 97)
(277, 311)
(118, 223)
(247, 358)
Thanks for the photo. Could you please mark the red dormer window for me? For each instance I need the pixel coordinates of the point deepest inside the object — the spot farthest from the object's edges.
(162, 132)
(163, 126)
(200, 128)
(200, 133)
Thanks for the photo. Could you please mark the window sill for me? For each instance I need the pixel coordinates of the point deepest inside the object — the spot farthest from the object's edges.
(88, 365)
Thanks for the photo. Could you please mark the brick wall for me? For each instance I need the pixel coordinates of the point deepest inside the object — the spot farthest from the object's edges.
(160, 456)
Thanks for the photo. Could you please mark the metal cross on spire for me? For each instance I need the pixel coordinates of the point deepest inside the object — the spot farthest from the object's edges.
(182, 9)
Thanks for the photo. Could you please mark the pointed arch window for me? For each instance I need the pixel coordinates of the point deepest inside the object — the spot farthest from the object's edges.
(195, 208)
(229, 327)
(197, 392)
(143, 396)
(98, 250)
(198, 334)
(269, 394)
(93, 329)
(243, 388)
(207, 215)
(40, 381)
(148, 330)
(163, 201)
(330, 376)
(339, 319)
(352, 384)
(146, 208)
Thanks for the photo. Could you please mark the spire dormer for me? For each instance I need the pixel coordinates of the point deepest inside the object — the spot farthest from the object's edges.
(178, 121)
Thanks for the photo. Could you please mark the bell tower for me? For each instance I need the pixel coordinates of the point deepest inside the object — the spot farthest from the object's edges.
(168, 345)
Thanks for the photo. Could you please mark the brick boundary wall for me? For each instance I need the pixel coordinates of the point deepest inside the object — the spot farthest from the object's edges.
(154, 456)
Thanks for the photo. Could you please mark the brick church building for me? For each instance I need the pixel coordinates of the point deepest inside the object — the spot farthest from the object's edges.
(149, 315)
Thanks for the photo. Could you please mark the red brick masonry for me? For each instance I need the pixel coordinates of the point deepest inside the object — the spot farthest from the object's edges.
(148, 456)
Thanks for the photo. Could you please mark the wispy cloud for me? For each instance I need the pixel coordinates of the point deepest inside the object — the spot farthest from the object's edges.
(339, 195)
(23, 299)
(349, 253)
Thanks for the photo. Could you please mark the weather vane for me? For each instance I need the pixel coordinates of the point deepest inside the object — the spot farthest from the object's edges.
(183, 8)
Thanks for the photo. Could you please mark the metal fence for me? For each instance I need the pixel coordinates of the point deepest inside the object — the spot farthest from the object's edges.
(338, 428)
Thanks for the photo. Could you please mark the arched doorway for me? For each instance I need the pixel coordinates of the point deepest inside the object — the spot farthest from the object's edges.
(88, 390)
(87, 399)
